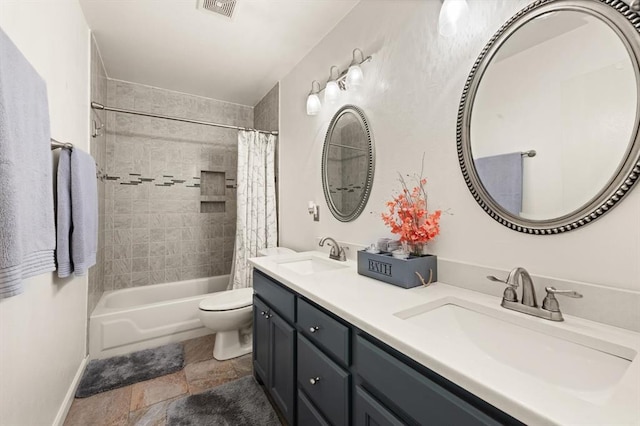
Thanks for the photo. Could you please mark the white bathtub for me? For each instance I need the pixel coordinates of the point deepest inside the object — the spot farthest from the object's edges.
(144, 317)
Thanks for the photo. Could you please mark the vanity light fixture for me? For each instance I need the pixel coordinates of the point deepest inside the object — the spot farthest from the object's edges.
(313, 100)
(332, 90)
(350, 78)
(451, 13)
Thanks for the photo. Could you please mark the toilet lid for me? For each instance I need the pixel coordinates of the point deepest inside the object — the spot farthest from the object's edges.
(227, 300)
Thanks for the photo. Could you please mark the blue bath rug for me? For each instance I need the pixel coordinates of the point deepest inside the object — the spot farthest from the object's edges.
(106, 374)
(241, 402)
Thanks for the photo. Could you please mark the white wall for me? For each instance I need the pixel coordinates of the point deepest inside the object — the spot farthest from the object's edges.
(411, 96)
(42, 331)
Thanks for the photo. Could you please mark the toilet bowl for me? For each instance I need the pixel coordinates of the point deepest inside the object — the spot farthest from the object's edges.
(228, 312)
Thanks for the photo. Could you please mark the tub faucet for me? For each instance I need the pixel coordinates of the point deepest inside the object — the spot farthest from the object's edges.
(529, 305)
(337, 252)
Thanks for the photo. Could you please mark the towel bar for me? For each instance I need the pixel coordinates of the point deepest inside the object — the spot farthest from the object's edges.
(64, 145)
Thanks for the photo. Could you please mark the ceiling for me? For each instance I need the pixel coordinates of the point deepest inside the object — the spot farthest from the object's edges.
(173, 45)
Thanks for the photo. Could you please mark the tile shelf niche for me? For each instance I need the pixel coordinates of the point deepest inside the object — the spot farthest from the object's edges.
(212, 191)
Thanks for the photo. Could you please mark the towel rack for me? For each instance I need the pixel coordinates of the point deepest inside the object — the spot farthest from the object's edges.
(57, 144)
(66, 145)
(530, 153)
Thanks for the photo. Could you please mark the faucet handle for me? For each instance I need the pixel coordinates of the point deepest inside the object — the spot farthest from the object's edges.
(509, 292)
(569, 293)
(550, 303)
(498, 280)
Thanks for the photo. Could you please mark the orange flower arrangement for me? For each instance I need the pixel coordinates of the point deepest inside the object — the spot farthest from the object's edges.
(408, 215)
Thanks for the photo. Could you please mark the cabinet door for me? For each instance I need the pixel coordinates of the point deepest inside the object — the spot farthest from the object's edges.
(261, 341)
(281, 372)
(369, 412)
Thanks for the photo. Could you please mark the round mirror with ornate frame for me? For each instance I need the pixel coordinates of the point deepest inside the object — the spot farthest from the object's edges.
(548, 126)
(347, 163)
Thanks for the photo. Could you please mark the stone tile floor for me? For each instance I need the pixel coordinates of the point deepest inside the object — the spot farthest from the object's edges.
(145, 403)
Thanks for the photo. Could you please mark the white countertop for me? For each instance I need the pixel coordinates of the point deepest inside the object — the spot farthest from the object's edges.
(370, 305)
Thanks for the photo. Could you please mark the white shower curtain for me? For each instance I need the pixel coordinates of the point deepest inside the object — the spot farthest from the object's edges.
(256, 223)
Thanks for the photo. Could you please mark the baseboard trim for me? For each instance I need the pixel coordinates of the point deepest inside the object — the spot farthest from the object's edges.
(68, 398)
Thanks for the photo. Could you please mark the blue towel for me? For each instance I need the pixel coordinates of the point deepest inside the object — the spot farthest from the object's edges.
(501, 175)
(77, 213)
(27, 229)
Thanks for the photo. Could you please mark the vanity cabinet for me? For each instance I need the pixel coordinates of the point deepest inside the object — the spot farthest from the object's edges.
(321, 370)
(274, 340)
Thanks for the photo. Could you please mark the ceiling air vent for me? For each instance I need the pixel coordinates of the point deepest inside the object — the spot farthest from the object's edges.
(221, 7)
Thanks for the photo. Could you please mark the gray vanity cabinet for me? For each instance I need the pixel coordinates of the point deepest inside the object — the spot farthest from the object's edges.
(274, 342)
(321, 370)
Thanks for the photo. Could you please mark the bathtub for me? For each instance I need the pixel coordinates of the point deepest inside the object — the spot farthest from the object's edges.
(139, 318)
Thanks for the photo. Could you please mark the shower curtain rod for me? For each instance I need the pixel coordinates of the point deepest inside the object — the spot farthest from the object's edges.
(96, 105)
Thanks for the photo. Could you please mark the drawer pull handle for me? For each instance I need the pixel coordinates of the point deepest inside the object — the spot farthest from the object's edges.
(314, 380)
(314, 329)
(268, 316)
(263, 313)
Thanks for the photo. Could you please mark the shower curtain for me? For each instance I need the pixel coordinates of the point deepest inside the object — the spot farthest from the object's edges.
(256, 226)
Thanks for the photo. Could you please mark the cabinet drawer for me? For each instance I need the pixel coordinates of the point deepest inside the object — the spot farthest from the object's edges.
(320, 328)
(423, 400)
(307, 413)
(369, 412)
(275, 295)
(324, 382)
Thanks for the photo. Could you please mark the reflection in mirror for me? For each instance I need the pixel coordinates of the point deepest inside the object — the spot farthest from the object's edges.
(548, 126)
(347, 163)
(562, 85)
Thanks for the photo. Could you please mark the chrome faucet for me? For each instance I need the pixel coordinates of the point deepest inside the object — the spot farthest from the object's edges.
(337, 252)
(550, 307)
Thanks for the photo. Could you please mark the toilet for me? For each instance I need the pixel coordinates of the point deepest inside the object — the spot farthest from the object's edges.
(228, 312)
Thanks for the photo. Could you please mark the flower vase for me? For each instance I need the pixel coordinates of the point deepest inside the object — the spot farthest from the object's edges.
(413, 248)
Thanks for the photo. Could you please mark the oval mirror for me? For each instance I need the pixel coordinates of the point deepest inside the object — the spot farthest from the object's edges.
(347, 163)
(548, 124)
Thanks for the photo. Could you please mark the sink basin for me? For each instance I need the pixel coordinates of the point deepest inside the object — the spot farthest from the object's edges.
(310, 265)
(585, 367)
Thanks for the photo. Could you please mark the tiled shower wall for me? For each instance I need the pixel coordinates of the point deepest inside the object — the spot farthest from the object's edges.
(266, 112)
(98, 149)
(170, 191)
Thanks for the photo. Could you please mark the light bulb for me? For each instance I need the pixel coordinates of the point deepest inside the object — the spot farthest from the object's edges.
(313, 104)
(331, 92)
(450, 15)
(354, 77)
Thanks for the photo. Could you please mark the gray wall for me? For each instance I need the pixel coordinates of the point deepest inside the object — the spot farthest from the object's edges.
(155, 231)
(266, 111)
(98, 149)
